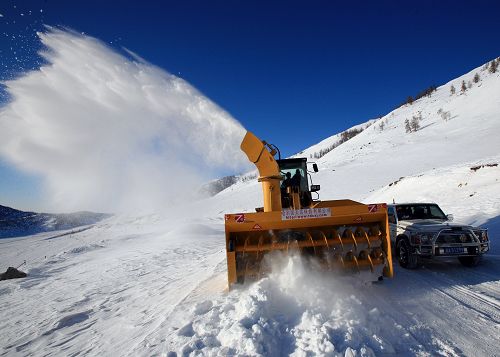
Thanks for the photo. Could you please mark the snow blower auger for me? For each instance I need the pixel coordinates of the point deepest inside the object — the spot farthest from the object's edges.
(343, 235)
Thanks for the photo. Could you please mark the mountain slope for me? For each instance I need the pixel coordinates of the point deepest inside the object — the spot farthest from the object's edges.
(378, 156)
(458, 128)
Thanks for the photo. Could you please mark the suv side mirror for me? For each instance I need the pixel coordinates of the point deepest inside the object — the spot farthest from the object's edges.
(315, 188)
(315, 168)
(449, 217)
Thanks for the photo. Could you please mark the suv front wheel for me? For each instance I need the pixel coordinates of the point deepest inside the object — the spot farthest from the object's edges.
(406, 259)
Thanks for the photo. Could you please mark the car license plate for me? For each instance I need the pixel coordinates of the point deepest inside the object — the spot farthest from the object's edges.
(455, 250)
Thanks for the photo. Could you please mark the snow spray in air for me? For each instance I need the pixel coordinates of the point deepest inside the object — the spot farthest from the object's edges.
(296, 310)
(108, 133)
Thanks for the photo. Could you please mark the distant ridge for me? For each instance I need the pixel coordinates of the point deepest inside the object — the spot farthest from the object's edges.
(16, 223)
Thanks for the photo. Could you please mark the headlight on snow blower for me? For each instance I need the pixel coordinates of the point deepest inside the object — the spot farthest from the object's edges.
(422, 238)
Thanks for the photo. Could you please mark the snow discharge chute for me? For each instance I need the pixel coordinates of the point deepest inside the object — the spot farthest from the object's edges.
(342, 235)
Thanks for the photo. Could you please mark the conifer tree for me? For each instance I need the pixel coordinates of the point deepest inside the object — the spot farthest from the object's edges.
(493, 66)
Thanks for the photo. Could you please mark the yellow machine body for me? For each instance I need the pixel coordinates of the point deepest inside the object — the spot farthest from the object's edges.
(342, 235)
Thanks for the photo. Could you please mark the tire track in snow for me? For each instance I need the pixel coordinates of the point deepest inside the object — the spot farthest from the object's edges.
(461, 291)
(423, 338)
(457, 323)
(478, 302)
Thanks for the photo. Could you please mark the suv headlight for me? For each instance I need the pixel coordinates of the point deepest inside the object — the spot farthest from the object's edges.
(482, 235)
(422, 238)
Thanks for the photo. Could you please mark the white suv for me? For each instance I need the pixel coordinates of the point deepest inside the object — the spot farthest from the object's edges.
(422, 230)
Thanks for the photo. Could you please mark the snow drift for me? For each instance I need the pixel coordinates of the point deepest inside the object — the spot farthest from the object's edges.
(107, 132)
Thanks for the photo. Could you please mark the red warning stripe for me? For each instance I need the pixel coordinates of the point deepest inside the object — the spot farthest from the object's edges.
(376, 206)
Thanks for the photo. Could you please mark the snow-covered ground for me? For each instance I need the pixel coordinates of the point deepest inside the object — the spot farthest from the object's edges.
(128, 287)
(155, 285)
(104, 290)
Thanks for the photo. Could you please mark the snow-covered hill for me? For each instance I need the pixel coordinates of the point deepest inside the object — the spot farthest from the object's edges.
(325, 146)
(455, 129)
(15, 223)
(154, 285)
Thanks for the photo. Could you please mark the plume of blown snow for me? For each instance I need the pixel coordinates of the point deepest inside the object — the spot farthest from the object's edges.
(297, 310)
(110, 133)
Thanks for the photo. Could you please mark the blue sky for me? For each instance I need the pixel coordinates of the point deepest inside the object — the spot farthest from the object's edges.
(292, 72)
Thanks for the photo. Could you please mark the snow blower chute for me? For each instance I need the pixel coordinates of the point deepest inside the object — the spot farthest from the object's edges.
(342, 235)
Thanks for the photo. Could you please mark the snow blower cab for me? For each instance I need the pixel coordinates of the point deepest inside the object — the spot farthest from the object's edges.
(295, 192)
(343, 236)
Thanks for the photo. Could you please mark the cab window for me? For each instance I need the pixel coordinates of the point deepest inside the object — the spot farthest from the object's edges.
(298, 173)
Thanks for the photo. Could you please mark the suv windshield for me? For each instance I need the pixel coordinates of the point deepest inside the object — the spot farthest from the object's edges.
(419, 211)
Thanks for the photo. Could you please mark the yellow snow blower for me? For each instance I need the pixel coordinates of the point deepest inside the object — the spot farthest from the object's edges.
(342, 235)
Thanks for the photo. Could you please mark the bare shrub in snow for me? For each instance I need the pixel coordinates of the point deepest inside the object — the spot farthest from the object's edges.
(414, 124)
(407, 126)
(452, 89)
(469, 84)
(381, 126)
(445, 115)
(476, 78)
(464, 87)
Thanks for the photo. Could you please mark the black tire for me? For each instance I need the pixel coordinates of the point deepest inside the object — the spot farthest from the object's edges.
(470, 261)
(405, 258)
